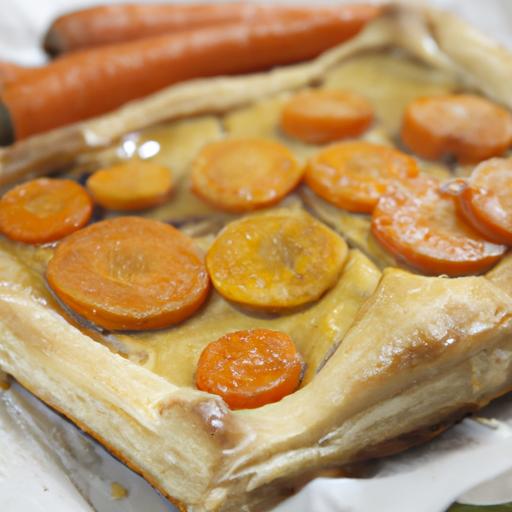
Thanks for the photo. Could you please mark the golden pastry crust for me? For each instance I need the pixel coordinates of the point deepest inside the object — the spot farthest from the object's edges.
(382, 383)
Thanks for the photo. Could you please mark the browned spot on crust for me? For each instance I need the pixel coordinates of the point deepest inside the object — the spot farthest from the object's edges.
(415, 437)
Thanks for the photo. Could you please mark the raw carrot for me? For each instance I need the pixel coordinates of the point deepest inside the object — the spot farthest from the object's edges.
(9, 72)
(250, 368)
(89, 83)
(107, 24)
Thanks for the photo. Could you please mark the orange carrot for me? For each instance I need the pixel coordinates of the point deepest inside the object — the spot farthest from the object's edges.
(131, 186)
(322, 116)
(9, 72)
(44, 210)
(129, 273)
(106, 24)
(420, 226)
(244, 174)
(250, 368)
(466, 126)
(354, 175)
(275, 260)
(93, 82)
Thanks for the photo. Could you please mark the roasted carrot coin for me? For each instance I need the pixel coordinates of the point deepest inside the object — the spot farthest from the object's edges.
(250, 368)
(276, 260)
(468, 127)
(420, 226)
(240, 175)
(135, 185)
(485, 199)
(324, 116)
(129, 273)
(44, 210)
(353, 175)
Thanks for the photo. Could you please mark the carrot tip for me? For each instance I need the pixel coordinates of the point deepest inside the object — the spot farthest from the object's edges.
(52, 43)
(6, 126)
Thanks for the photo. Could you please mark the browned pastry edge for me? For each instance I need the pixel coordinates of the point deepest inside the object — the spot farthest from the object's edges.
(415, 437)
(385, 449)
(110, 449)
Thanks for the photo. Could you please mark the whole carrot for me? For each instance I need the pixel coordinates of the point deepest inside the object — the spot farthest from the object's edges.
(9, 72)
(97, 26)
(93, 82)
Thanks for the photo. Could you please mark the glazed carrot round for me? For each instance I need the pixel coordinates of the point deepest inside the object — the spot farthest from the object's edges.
(135, 185)
(44, 210)
(420, 226)
(354, 175)
(322, 116)
(276, 260)
(485, 199)
(240, 175)
(89, 83)
(107, 24)
(250, 368)
(129, 273)
(468, 127)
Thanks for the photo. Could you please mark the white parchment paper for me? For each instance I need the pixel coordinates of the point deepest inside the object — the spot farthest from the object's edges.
(47, 464)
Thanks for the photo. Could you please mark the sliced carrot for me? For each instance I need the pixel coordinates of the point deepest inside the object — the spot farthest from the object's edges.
(107, 24)
(135, 185)
(240, 175)
(354, 175)
(44, 210)
(250, 368)
(92, 82)
(485, 199)
(322, 116)
(468, 127)
(276, 260)
(420, 226)
(129, 273)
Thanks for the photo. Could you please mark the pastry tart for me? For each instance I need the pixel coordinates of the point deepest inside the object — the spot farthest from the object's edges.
(373, 347)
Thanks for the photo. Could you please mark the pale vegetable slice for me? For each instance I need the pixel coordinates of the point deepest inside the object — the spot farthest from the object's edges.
(277, 260)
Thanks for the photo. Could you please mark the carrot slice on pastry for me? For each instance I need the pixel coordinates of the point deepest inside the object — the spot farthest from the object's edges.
(129, 273)
(44, 210)
(353, 175)
(485, 199)
(130, 186)
(421, 226)
(250, 368)
(468, 127)
(240, 175)
(277, 260)
(324, 116)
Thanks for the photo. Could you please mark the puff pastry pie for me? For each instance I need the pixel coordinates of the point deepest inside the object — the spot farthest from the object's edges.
(392, 357)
